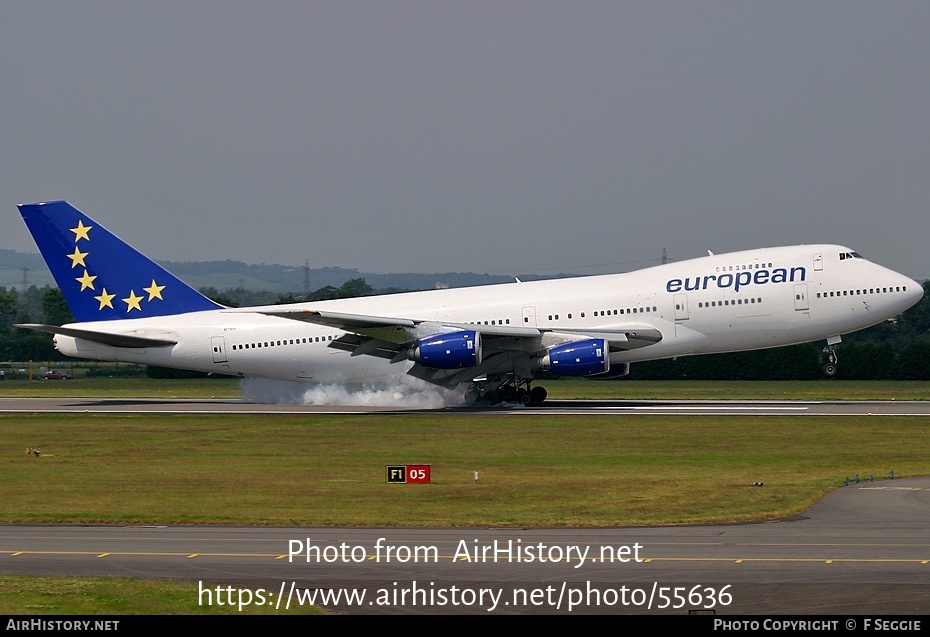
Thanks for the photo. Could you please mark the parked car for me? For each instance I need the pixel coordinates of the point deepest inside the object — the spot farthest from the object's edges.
(55, 375)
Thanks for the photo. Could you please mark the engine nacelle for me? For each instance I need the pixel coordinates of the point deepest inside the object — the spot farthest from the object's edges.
(578, 358)
(452, 350)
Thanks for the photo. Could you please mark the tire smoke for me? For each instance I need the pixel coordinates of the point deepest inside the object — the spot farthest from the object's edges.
(405, 391)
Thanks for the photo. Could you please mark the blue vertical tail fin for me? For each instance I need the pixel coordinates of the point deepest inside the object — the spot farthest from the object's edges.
(101, 276)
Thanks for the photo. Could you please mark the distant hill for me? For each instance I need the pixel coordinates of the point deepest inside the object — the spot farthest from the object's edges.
(224, 275)
(12, 264)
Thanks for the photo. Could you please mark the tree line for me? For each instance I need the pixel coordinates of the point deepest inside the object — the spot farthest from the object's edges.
(895, 349)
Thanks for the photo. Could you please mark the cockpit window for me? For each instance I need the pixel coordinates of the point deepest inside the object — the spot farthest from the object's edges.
(850, 255)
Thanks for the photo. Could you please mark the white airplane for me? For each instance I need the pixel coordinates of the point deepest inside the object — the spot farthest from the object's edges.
(494, 338)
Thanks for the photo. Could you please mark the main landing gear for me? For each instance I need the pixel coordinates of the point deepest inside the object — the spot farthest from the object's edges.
(494, 391)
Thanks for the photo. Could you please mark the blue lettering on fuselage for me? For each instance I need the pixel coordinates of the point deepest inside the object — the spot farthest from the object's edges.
(737, 280)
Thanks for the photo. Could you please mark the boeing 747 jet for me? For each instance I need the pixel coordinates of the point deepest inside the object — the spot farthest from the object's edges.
(495, 339)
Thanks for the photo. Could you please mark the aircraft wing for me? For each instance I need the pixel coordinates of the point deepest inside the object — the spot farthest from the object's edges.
(391, 330)
(506, 347)
(359, 322)
(622, 336)
(343, 320)
(397, 333)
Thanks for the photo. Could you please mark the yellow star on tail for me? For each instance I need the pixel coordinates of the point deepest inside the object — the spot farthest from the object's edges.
(132, 302)
(77, 258)
(81, 231)
(86, 281)
(106, 300)
(154, 290)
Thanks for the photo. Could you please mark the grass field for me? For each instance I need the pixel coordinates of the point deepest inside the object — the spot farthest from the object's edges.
(533, 470)
(124, 388)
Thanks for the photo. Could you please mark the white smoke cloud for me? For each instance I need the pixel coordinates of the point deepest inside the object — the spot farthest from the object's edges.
(401, 391)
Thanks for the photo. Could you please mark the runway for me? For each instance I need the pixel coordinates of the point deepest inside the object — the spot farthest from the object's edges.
(550, 407)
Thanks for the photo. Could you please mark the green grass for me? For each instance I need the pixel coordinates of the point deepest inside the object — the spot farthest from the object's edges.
(220, 387)
(535, 470)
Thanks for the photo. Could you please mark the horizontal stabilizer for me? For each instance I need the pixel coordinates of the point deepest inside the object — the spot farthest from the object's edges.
(104, 338)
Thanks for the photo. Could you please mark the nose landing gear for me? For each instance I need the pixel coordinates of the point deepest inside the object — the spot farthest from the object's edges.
(829, 359)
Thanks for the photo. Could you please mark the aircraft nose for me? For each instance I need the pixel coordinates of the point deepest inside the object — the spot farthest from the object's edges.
(916, 291)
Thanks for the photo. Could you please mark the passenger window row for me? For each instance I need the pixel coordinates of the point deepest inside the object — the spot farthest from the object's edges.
(897, 288)
(751, 266)
(282, 343)
(730, 302)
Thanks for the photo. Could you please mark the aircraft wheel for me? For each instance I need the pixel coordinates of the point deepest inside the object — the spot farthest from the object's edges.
(538, 395)
(472, 396)
(508, 393)
(523, 397)
(830, 370)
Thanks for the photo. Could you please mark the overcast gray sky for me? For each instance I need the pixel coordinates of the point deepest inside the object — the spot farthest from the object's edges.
(502, 137)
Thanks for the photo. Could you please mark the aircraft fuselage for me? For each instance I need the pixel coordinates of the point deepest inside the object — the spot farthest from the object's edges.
(746, 300)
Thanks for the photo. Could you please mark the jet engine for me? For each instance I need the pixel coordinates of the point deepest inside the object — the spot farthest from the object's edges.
(452, 350)
(578, 358)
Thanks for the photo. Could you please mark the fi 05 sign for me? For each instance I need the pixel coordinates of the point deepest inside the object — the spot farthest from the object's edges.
(408, 473)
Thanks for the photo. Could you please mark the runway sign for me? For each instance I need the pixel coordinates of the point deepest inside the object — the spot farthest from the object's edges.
(408, 473)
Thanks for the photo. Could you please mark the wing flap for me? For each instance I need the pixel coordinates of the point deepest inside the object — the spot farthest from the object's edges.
(620, 337)
(358, 345)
